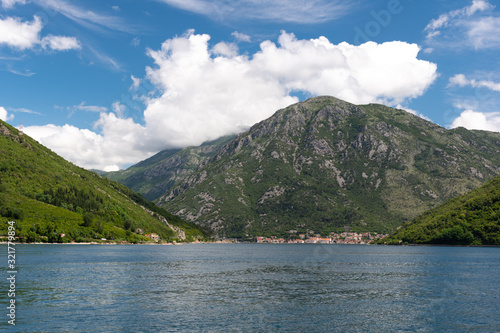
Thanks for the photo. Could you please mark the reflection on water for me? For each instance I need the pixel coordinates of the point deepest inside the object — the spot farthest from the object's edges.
(256, 288)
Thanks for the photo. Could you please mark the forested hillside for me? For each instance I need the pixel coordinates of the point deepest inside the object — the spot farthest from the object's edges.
(53, 200)
(471, 219)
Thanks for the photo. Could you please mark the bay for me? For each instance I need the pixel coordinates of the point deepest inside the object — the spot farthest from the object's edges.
(253, 288)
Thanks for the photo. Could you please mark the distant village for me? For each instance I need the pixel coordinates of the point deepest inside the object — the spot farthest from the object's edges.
(343, 238)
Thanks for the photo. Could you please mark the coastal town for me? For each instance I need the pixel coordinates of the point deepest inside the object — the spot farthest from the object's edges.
(334, 238)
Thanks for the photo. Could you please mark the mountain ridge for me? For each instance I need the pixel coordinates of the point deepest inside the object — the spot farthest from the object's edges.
(325, 164)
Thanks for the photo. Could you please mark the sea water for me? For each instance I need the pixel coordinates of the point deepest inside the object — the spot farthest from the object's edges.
(253, 288)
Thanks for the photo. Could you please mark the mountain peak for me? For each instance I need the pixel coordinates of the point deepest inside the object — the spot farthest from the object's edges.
(324, 164)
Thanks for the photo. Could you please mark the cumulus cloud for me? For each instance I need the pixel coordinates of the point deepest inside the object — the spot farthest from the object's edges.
(26, 35)
(462, 81)
(240, 37)
(18, 34)
(120, 142)
(474, 25)
(203, 92)
(478, 120)
(4, 115)
(206, 97)
(225, 49)
(388, 73)
(484, 100)
(60, 43)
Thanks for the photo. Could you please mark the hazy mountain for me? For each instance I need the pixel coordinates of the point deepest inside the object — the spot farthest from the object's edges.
(159, 173)
(48, 196)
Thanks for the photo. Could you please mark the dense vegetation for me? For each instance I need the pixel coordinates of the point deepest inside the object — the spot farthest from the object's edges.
(49, 197)
(471, 219)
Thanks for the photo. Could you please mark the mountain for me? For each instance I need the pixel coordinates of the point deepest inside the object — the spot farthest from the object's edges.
(158, 174)
(48, 196)
(470, 219)
(325, 165)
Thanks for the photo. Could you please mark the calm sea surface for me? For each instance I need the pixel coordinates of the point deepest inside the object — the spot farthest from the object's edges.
(253, 288)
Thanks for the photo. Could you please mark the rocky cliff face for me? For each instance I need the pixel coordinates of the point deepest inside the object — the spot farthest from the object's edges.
(326, 165)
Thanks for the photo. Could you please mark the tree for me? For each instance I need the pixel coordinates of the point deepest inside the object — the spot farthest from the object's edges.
(87, 219)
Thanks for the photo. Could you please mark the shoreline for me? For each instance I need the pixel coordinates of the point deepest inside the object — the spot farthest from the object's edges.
(120, 243)
(231, 242)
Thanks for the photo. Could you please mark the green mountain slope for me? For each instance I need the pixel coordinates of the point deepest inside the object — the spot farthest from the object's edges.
(325, 165)
(471, 219)
(159, 173)
(48, 196)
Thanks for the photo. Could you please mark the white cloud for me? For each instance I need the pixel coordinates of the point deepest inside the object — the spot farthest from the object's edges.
(205, 97)
(60, 43)
(88, 108)
(388, 72)
(449, 18)
(484, 33)
(478, 6)
(462, 81)
(119, 109)
(225, 49)
(202, 94)
(414, 112)
(120, 142)
(18, 34)
(240, 37)
(23, 110)
(4, 115)
(27, 73)
(459, 80)
(26, 35)
(135, 42)
(478, 120)
(294, 11)
(470, 26)
(7, 4)
(135, 82)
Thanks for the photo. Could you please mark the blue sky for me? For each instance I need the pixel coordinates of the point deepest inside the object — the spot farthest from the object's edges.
(109, 83)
